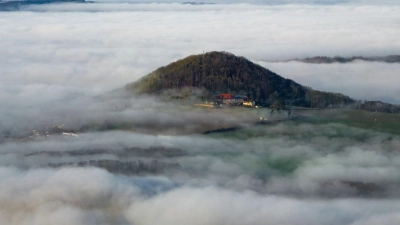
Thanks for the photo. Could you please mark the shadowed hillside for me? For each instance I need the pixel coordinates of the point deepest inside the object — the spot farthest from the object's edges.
(221, 72)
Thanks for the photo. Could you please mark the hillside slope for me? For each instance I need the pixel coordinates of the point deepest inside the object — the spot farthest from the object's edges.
(221, 72)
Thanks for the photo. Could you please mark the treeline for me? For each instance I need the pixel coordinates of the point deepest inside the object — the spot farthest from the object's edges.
(339, 59)
(157, 151)
(321, 99)
(135, 167)
(377, 106)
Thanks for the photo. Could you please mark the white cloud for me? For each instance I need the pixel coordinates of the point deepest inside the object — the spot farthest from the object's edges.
(55, 59)
(360, 80)
(93, 196)
(216, 206)
(100, 45)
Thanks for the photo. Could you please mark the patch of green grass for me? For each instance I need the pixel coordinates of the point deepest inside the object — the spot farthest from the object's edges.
(376, 121)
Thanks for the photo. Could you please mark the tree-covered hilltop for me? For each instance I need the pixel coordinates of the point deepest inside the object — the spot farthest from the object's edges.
(221, 72)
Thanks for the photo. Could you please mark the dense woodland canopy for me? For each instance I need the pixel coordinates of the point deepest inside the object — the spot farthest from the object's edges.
(222, 72)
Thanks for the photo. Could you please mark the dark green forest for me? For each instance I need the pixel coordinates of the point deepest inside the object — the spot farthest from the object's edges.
(221, 72)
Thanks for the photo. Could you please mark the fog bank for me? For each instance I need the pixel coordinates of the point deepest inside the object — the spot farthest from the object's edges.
(66, 142)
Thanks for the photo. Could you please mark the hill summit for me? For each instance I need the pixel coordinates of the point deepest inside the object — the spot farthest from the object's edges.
(222, 72)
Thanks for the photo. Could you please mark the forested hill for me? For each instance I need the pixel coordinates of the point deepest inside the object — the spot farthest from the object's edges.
(221, 72)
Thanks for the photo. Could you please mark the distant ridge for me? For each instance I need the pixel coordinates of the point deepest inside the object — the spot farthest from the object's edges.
(222, 72)
(340, 59)
(16, 5)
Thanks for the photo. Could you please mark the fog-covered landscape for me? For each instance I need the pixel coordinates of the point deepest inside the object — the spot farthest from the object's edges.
(77, 147)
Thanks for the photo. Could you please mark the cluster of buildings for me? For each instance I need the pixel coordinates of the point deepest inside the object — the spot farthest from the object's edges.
(231, 99)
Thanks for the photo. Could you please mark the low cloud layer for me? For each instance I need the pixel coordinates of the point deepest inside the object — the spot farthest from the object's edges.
(286, 159)
(91, 196)
(285, 173)
(59, 62)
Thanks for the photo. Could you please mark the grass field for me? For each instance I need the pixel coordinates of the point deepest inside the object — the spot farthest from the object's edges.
(383, 122)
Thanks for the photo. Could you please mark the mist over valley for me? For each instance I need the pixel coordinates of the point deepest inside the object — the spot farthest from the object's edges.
(80, 145)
